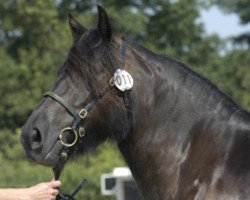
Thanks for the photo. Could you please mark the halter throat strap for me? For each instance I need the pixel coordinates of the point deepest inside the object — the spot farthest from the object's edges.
(123, 49)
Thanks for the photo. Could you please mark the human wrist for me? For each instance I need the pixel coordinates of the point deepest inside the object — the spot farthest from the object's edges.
(25, 194)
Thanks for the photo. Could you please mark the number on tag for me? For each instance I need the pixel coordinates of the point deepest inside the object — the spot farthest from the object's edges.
(123, 80)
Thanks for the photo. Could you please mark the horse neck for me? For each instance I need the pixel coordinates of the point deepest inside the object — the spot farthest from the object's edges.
(144, 150)
(173, 109)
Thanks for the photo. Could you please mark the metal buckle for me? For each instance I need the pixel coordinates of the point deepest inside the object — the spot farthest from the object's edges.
(81, 131)
(64, 155)
(83, 113)
(71, 131)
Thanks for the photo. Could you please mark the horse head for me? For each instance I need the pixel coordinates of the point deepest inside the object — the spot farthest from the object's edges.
(82, 109)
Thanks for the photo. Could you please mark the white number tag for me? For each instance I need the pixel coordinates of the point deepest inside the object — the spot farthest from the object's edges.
(123, 80)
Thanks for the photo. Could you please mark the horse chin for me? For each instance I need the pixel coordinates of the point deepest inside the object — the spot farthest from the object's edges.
(53, 160)
(52, 157)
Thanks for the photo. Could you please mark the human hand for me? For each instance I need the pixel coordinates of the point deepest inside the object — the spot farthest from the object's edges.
(44, 191)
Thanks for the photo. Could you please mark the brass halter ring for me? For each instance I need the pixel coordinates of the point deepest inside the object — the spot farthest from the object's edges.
(69, 129)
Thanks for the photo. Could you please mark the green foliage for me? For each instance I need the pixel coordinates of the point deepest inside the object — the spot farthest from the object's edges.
(31, 49)
(10, 148)
(233, 69)
(34, 39)
(19, 174)
(242, 9)
(22, 85)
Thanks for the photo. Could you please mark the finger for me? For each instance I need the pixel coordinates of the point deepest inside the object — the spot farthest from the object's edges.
(55, 184)
(53, 198)
(55, 192)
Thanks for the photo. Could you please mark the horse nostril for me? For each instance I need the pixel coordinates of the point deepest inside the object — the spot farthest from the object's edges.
(36, 139)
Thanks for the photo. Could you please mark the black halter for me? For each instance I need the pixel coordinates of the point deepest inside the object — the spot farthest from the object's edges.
(78, 117)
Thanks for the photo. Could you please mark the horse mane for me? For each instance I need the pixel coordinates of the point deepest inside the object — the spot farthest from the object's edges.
(192, 83)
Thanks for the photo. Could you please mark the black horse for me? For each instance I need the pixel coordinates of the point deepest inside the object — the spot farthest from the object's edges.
(180, 135)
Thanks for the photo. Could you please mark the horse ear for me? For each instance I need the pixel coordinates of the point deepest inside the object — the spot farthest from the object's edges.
(103, 23)
(77, 29)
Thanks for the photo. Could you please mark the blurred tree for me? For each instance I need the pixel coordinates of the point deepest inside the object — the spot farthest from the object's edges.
(231, 70)
(22, 84)
(31, 49)
(175, 30)
(232, 75)
(242, 9)
(169, 27)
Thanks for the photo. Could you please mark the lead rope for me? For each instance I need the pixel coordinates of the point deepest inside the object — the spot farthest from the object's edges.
(71, 197)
